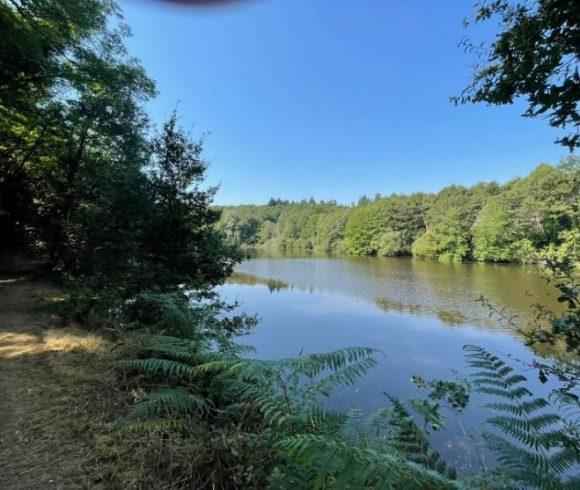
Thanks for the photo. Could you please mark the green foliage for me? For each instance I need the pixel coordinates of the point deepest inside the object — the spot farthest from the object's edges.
(486, 222)
(83, 180)
(248, 225)
(412, 441)
(338, 464)
(564, 327)
(195, 255)
(535, 56)
(187, 316)
(449, 220)
(386, 226)
(301, 380)
(278, 401)
(169, 314)
(493, 234)
(330, 231)
(123, 214)
(537, 448)
(50, 100)
(542, 207)
(560, 261)
(446, 241)
(297, 226)
(364, 224)
(164, 367)
(453, 392)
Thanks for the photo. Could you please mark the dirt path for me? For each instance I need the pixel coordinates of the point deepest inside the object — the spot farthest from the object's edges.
(54, 387)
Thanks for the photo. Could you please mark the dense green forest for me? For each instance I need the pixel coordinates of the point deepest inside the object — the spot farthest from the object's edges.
(486, 222)
(117, 211)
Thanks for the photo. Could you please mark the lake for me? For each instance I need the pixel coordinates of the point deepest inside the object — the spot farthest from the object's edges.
(419, 314)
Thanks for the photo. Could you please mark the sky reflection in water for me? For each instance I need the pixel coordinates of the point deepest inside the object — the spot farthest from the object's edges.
(418, 314)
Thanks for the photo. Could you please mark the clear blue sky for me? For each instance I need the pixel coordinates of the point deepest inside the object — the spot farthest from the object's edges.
(330, 98)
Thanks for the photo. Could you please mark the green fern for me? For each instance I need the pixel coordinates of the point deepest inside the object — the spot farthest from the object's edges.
(164, 367)
(280, 399)
(539, 449)
(338, 464)
(324, 421)
(169, 313)
(169, 402)
(411, 441)
(288, 390)
(384, 450)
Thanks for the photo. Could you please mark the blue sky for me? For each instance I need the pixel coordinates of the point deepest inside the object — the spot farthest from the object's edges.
(330, 98)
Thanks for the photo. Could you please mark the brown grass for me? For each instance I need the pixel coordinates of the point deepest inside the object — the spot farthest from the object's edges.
(62, 400)
(59, 394)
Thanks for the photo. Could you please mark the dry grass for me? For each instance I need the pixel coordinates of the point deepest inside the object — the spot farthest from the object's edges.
(61, 400)
(16, 344)
(60, 394)
(74, 339)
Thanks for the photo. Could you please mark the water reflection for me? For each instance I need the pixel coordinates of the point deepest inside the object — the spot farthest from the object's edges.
(249, 280)
(448, 291)
(419, 314)
(449, 318)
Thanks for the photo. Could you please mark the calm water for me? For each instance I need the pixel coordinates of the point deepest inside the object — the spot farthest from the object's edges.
(420, 314)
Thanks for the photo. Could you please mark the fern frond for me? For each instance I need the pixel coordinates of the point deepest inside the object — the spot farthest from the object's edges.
(155, 366)
(342, 465)
(572, 483)
(530, 468)
(411, 441)
(175, 352)
(521, 409)
(514, 394)
(325, 421)
(169, 402)
(344, 377)
(540, 449)
(564, 460)
(524, 430)
(163, 425)
(312, 365)
(217, 364)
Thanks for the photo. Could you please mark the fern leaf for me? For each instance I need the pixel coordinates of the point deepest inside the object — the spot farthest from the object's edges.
(155, 366)
(163, 425)
(169, 402)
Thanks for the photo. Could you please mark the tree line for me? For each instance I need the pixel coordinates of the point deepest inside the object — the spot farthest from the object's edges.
(487, 222)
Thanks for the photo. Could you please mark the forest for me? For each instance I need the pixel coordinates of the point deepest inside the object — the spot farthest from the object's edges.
(487, 222)
(116, 211)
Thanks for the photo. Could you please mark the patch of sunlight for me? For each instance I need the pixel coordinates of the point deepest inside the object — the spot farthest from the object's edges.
(19, 344)
(12, 280)
(54, 299)
(66, 340)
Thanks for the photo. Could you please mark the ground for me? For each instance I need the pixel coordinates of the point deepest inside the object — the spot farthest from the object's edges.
(58, 393)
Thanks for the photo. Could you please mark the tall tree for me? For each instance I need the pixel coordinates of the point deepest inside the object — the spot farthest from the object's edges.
(41, 41)
(180, 244)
